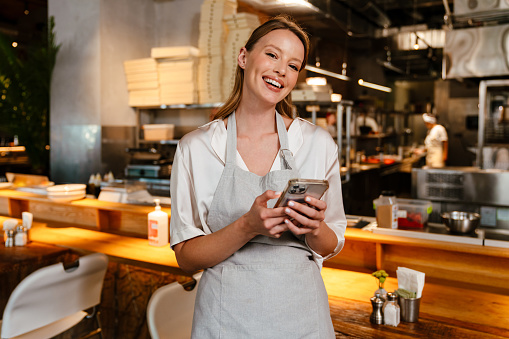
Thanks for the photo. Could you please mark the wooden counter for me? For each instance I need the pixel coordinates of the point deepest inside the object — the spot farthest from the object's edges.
(476, 267)
(124, 232)
(123, 249)
(125, 219)
(445, 312)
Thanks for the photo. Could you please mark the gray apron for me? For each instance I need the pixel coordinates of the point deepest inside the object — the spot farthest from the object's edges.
(270, 288)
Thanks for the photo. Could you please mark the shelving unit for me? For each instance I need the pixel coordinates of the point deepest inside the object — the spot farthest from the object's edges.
(153, 110)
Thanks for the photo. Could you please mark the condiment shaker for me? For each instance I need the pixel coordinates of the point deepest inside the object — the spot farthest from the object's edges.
(21, 237)
(391, 310)
(9, 238)
(377, 316)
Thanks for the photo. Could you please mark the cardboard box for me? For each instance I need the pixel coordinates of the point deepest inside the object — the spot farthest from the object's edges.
(158, 131)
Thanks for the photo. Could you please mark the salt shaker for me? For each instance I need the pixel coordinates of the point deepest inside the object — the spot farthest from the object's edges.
(21, 237)
(377, 316)
(391, 310)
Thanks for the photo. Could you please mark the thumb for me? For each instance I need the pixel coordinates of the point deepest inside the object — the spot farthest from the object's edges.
(268, 195)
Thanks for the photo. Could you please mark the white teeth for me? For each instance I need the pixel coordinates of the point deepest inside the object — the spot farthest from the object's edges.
(272, 82)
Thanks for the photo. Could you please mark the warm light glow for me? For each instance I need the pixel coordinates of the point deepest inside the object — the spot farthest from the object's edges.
(14, 44)
(335, 97)
(416, 46)
(303, 3)
(12, 149)
(328, 73)
(374, 86)
(316, 81)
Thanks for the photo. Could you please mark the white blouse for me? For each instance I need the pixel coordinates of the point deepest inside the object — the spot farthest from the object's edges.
(200, 159)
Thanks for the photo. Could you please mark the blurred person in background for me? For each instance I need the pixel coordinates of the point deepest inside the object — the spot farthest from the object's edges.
(436, 142)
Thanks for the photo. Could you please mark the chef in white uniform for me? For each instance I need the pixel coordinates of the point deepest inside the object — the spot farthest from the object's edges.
(436, 142)
(261, 271)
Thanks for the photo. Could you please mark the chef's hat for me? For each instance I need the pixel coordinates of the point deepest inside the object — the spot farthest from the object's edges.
(431, 119)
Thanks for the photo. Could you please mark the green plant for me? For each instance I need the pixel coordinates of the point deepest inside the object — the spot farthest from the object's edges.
(381, 275)
(25, 95)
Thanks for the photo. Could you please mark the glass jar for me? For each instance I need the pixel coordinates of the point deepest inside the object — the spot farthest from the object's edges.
(381, 290)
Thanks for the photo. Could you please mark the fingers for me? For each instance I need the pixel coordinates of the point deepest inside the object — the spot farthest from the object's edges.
(307, 216)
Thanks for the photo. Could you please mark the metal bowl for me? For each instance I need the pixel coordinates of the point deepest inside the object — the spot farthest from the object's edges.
(461, 222)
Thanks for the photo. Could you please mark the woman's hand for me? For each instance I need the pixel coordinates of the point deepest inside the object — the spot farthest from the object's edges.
(309, 221)
(263, 220)
(304, 219)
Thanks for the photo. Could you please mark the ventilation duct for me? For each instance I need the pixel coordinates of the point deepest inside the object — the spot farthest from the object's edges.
(476, 52)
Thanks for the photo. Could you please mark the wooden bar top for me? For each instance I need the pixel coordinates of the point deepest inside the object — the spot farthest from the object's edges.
(122, 248)
(445, 311)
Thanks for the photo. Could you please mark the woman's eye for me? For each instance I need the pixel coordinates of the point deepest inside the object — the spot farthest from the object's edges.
(272, 55)
(295, 68)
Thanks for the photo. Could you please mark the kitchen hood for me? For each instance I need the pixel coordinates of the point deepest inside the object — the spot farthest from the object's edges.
(476, 52)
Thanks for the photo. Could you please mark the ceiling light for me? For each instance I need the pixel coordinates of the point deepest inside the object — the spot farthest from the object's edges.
(416, 44)
(14, 44)
(335, 97)
(316, 81)
(374, 86)
(328, 73)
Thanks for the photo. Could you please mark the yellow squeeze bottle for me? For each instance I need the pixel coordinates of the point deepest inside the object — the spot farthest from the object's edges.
(158, 226)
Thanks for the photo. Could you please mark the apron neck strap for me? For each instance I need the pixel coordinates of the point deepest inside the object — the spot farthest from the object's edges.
(287, 160)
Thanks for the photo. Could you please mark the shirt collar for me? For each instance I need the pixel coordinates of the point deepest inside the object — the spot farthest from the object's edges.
(218, 140)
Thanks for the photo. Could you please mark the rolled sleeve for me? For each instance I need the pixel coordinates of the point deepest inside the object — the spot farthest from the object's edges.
(184, 216)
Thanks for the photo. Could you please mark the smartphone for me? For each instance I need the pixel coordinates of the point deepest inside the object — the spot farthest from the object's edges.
(298, 189)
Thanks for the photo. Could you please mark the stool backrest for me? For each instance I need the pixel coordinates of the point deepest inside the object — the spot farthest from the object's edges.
(52, 293)
(170, 311)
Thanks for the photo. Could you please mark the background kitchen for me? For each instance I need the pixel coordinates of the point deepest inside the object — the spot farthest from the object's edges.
(432, 55)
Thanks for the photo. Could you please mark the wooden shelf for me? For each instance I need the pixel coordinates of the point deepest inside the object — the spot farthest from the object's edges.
(116, 218)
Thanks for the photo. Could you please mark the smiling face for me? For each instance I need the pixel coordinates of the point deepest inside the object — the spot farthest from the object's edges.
(272, 67)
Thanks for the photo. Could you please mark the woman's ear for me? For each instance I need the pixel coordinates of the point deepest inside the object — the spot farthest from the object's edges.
(242, 58)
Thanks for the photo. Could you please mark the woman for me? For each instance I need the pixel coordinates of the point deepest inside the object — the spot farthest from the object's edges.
(436, 142)
(262, 271)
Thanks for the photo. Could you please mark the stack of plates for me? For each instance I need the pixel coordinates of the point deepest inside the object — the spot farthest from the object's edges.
(210, 43)
(142, 82)
(240, 27)
(65, 193)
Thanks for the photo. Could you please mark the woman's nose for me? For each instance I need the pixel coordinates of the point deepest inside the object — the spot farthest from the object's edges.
(280, 68)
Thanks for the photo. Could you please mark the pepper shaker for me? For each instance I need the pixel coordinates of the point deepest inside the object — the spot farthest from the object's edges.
(9, 231)
(9, 238)
(377, 316)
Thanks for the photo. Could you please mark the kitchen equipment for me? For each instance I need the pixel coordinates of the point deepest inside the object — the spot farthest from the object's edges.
(461, 222)
(467, 189)
(66, 193)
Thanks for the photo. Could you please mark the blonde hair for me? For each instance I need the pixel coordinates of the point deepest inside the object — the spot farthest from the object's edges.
(284, 107)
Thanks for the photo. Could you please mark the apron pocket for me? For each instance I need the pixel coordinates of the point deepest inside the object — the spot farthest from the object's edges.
(269, 301)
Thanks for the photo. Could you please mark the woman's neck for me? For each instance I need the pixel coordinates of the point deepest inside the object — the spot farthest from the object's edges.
(255, 120)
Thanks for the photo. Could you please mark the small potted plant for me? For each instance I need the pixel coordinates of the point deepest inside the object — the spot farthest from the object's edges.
(381, 276)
